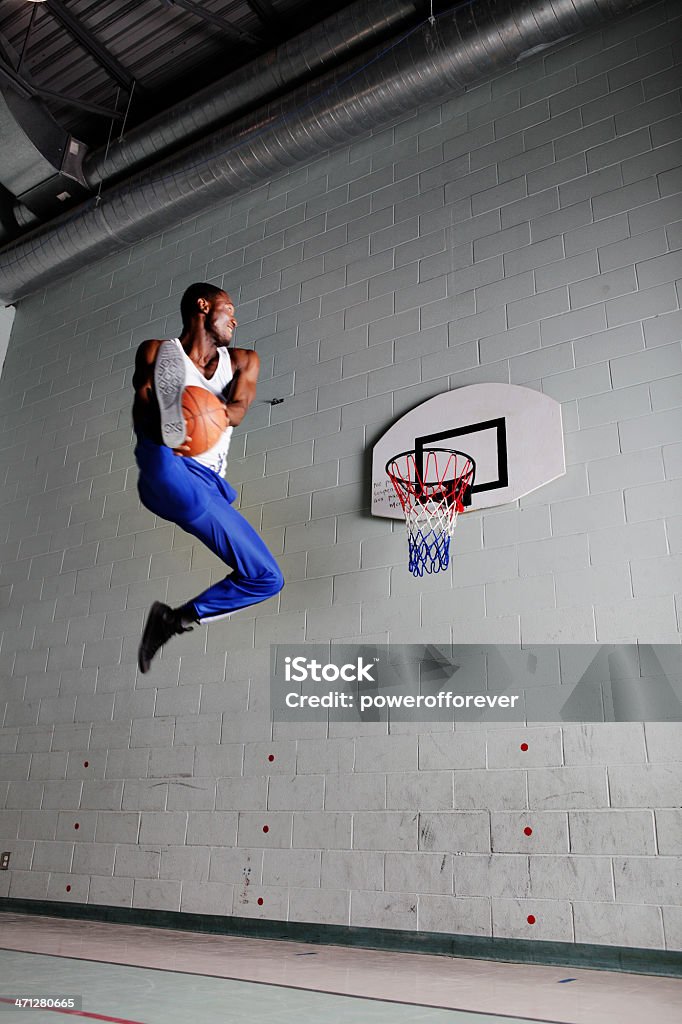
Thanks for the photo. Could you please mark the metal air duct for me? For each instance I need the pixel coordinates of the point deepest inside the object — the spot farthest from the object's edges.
(337, 38)
(40, 161)
(427, 65)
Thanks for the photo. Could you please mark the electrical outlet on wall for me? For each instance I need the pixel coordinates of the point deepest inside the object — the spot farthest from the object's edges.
(4, 861)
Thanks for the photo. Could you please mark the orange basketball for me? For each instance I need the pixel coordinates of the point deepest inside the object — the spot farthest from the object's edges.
(205, 418)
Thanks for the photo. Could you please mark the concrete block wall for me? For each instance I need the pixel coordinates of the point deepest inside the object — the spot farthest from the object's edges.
(529, 231)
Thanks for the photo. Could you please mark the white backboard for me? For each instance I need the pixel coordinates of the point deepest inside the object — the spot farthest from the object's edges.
(514, 435)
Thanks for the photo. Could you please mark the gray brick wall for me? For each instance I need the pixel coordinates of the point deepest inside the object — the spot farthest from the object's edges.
(529, 232)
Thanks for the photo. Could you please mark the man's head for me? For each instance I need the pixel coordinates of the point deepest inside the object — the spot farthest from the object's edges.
(213, 307)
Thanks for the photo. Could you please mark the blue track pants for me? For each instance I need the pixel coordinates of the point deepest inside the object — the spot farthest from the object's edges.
(195, 498)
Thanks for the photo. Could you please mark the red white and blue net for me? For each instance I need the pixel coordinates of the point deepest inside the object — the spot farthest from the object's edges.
(432, 496)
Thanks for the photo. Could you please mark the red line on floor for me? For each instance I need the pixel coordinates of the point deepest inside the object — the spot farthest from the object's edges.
(80, 1013)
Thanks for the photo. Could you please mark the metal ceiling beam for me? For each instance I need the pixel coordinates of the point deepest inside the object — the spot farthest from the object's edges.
(69, 101)
(9, 55)
(8, 74)
(264, 10)
(238, 34)
(29, 90)
(85, 38)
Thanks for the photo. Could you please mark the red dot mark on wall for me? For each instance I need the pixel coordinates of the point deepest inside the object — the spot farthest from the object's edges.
(68, 888)
(271, 757)
(524, 746)
(76, 825)
(528, 831)
(260, 901)
(86, 764)
(266, 828)
(531, 919)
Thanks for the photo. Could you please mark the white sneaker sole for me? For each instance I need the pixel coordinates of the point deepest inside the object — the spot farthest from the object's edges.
(169, 381)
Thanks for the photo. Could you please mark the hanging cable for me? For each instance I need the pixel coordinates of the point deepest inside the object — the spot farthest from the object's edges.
(98, 197)
(125, 117)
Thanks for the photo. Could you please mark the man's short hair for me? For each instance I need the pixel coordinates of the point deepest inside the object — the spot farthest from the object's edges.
(188, 303)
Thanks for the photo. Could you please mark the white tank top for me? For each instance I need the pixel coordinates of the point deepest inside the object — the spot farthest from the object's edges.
(216, 457)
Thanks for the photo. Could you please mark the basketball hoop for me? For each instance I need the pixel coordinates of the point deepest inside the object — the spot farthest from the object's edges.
(432, 496)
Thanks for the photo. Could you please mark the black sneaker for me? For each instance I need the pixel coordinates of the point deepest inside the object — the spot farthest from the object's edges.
(169, 382)
(162, 623)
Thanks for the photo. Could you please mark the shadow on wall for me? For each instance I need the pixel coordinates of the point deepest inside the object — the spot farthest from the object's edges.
(6, 321)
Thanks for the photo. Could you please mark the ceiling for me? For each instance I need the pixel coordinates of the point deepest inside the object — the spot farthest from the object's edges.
(117, 115)
(115, 59)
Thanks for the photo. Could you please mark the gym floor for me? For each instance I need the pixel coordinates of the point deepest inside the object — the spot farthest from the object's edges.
(135, 975)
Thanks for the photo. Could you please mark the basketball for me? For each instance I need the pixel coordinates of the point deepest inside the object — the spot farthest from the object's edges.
(205, 419)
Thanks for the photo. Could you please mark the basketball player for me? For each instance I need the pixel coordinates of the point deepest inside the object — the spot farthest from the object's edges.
(191, 491)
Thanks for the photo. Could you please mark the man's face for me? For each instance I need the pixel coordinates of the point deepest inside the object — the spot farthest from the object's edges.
(221, 322)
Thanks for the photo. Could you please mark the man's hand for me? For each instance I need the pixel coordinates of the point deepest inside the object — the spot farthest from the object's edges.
(183, 449)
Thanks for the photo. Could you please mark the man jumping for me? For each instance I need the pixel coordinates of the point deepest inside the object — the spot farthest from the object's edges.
(191, 491)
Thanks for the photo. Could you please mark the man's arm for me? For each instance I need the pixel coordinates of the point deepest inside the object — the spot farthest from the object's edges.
(245, 367)
(145, 406)
(143, 377)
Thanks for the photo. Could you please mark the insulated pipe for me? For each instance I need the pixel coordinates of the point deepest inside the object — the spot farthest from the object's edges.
(427, 65)
(338, 37)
